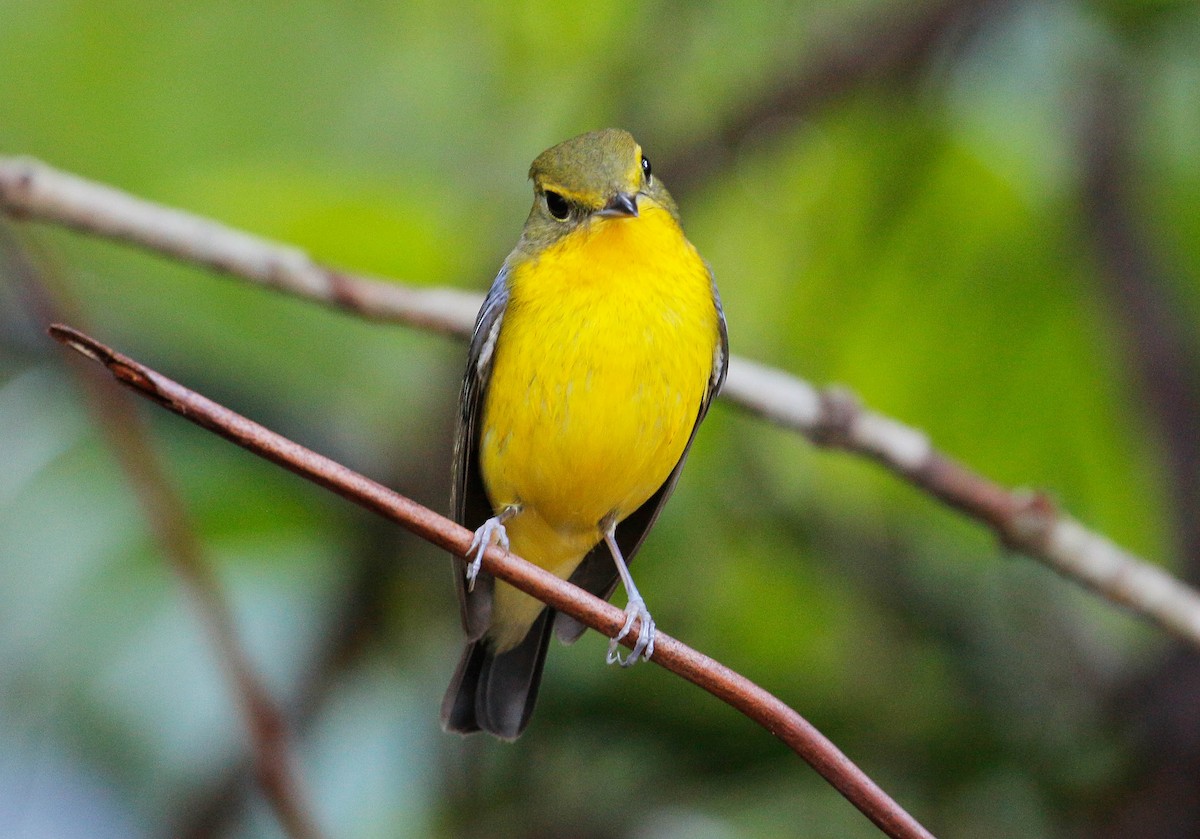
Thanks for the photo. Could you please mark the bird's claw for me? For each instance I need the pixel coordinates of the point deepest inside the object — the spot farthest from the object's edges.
(644, 646)
(490, 530)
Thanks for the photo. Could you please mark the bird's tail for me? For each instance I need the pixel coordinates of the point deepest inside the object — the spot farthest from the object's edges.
(496, 692)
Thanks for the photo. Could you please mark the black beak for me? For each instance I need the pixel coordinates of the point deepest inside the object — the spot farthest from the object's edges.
(622, 205)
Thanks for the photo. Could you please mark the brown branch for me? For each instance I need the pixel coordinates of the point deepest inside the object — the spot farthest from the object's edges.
(31, 190)
(1145, 302)
(886, 46)
(1135, 277)
(753, 701)
(273, 762)
(1023, 521)
(358, 615)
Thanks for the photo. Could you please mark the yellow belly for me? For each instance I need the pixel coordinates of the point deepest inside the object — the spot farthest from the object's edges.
(604, 355)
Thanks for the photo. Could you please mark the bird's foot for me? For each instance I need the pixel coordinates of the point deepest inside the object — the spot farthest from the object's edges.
(644, 646)
(490, 531)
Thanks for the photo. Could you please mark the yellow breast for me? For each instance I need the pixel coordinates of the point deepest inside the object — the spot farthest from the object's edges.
(604, 354)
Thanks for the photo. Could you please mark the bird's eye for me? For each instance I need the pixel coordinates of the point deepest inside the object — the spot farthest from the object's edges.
(646, 168)
(557, 205)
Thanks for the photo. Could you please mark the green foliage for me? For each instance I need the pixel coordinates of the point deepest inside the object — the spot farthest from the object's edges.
(917, 240)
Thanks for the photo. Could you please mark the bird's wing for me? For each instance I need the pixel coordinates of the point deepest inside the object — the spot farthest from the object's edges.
(468, 497)
(597, 573)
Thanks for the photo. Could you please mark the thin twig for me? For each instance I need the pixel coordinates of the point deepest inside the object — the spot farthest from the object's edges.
(274, 763)
(1028, 522)
(732, 688)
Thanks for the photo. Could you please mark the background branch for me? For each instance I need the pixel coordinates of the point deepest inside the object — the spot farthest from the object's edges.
(1029, 522)
(888, 46)
(359, 614)
(274, 764)
(723, 683)
(1164, 363)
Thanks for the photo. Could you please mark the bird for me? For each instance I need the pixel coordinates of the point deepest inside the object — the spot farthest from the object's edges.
(594, 357)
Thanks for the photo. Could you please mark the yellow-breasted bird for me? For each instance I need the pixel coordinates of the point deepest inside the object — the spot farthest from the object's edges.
(595, 356)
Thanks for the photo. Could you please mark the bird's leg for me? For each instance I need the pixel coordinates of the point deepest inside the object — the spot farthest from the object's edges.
(635, 608)
(490, 531)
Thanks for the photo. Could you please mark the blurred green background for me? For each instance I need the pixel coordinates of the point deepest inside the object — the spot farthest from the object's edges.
(981, 217)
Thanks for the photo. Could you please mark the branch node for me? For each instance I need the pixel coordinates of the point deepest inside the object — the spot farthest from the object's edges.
(132, 377)
(343, 290)
(840, 410)
(1028, 526)
(16, 190)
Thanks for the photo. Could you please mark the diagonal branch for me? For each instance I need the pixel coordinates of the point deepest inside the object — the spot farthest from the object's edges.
(736, 690)
(886, 46)
(31, 190)
(274, 763)
(1027, 522)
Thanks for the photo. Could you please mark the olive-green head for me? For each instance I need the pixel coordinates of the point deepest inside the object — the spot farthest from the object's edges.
(601, 174)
